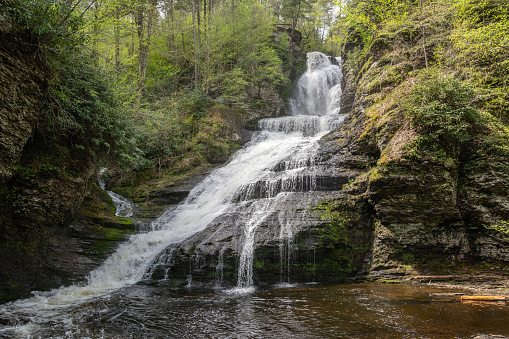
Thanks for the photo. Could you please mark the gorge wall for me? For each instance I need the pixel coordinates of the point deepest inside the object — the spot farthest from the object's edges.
(397, 195)
(433, 157)
(46, 240)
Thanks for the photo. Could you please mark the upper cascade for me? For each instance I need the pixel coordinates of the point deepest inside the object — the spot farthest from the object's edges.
(318, 91)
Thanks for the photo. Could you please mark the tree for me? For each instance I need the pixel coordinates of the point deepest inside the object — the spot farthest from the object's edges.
(294, 10)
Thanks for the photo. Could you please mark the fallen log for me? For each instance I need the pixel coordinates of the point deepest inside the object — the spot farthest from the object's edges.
(483, 297)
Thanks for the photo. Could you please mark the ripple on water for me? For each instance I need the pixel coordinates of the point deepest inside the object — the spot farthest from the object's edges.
(341, 311)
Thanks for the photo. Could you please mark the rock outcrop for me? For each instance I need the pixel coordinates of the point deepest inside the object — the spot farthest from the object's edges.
(43, 182)
(438, 203)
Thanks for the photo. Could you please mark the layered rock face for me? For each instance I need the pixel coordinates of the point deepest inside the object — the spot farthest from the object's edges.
(21, 89)
(437, 205)
(286, 241)
(43, 182)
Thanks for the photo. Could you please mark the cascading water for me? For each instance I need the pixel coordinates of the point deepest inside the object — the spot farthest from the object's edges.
(315, 110)
(282, 164)
(123, 207)
(255, 184)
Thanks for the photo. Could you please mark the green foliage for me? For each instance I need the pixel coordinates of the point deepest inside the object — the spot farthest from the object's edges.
(360, 21)
(83, 108)
(176, 145)
(194, 103)
(234, 83)
(441, 107)
(353, 58)
(481, 39)
(53, 21)
(295, 10)
(162, 132)
(264, 67)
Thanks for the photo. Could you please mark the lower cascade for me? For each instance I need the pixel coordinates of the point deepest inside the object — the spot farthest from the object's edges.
(261, 197)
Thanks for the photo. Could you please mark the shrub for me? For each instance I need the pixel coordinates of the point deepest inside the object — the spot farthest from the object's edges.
(194, 103)
(82, 107)
(440, 107)
(52, 21)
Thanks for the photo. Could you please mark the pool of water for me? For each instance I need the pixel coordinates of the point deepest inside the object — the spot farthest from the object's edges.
(365, 310)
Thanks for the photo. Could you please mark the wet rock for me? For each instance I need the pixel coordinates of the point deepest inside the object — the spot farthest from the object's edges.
(44, 179)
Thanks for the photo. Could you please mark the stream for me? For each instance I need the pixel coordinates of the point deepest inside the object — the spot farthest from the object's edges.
(365, 310)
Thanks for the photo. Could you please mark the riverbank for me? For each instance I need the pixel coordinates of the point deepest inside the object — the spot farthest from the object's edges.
(472, 284)
(475, 283)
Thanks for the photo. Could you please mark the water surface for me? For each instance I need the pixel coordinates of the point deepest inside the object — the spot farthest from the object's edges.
(365, 310)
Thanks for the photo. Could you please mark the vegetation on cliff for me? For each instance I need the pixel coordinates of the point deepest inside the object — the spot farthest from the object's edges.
(429, 119)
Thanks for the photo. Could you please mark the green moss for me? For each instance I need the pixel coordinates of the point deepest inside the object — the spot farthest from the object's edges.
(259, 264)
(109, 240)
(501, 227)
(389, 281)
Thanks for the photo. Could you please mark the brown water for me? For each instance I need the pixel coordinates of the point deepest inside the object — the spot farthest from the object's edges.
(308, 311)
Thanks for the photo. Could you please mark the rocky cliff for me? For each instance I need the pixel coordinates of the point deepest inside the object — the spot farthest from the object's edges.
(44, 180)
(433, 154)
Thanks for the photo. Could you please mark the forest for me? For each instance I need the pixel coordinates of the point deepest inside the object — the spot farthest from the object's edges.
(149, 73)
(141, 80)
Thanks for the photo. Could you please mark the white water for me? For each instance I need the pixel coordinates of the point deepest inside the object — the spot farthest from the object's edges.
(123, 207)
(315, 108)
(286, 143)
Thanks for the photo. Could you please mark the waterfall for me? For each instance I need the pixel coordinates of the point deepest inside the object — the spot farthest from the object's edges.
(314, 108)
(318, 91)
(123, 207)
(255, 184)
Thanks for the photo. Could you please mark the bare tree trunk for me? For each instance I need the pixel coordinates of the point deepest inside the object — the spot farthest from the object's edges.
(233, 10)
(183, 41)
(209, 30)
(196, 47)
(117, 39)
(198, 30)
(423, 38)
(131, 48)
(205, 13)
(96, 29)
(173, 47)
(140, 23)
(146, 12)
(296, 19)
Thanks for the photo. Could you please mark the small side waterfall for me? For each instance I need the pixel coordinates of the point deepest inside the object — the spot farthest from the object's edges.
(124, 207)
